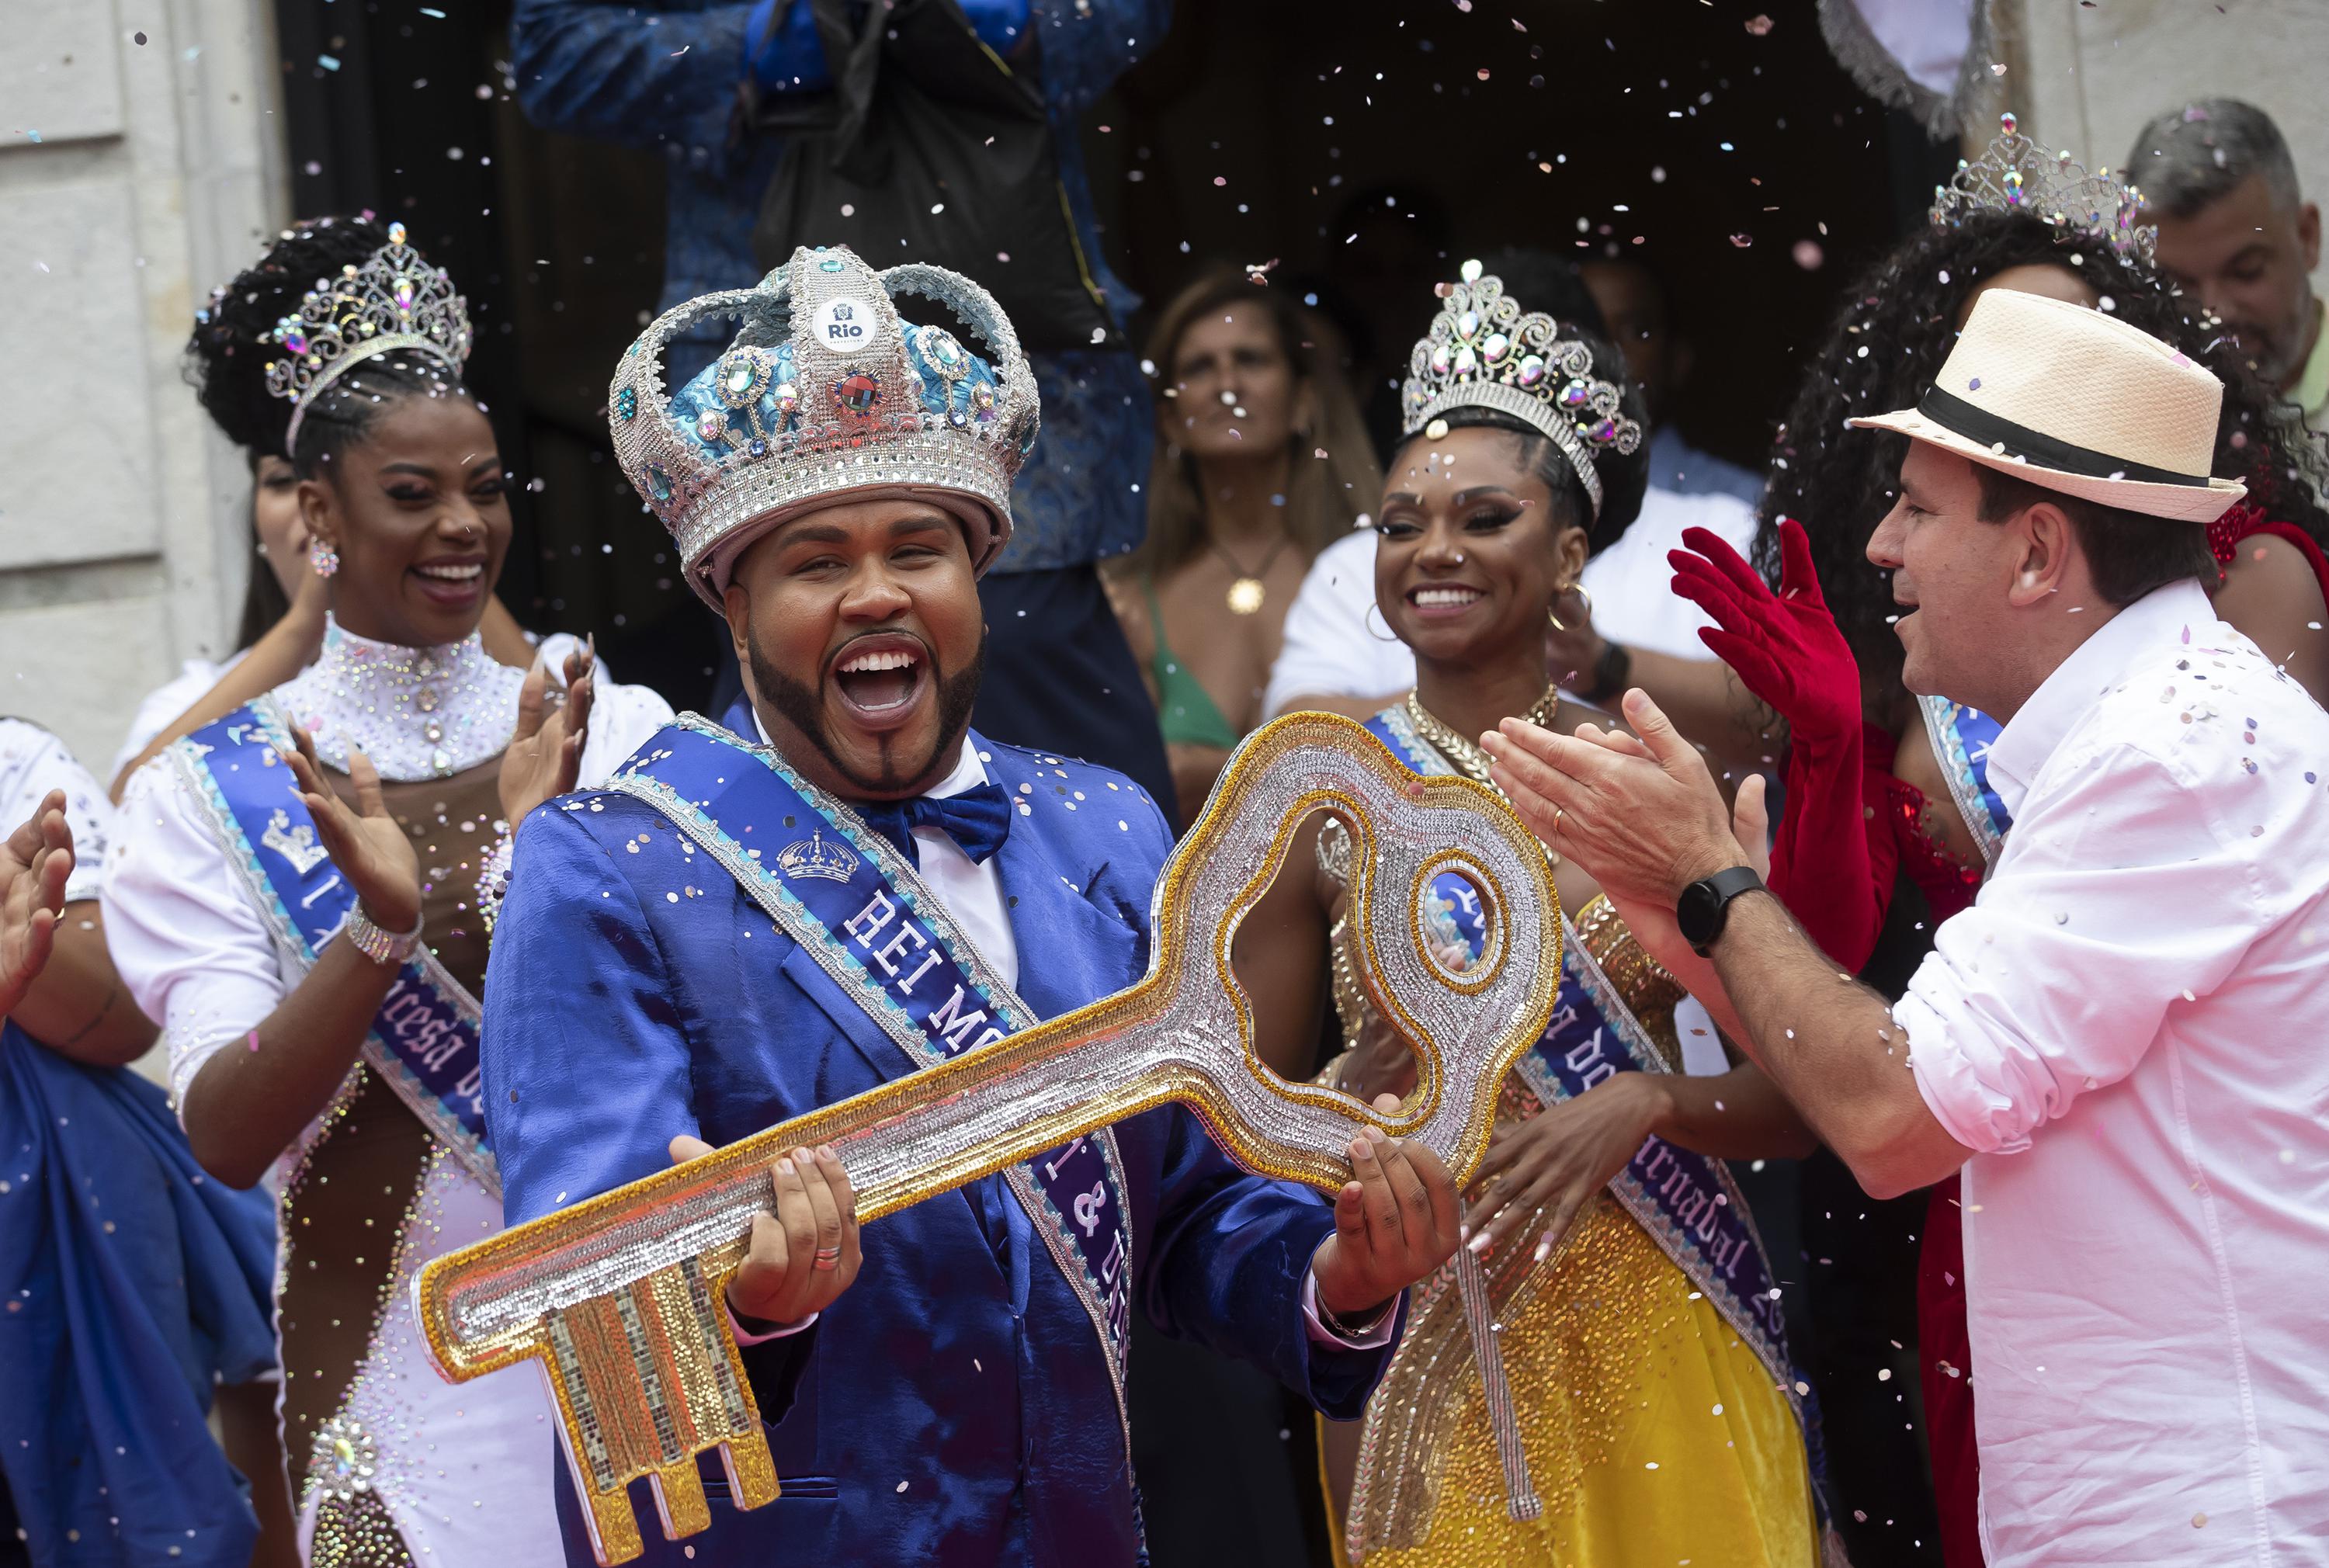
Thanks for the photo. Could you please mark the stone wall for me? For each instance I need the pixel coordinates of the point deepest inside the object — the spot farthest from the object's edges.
(140, 163)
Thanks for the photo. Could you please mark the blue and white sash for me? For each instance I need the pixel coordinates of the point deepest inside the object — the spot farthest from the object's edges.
(844, 893)
(1962, 737)
(423, 1041)
(1686, 1201)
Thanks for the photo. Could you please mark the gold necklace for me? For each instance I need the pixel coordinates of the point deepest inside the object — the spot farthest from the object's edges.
(1469, 759)
(1247, 594)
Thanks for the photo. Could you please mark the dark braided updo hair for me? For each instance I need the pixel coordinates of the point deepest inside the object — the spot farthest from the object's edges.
(226, 359)
(1897, 325)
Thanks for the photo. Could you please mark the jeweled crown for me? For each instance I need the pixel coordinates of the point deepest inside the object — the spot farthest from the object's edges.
(824, 391)
(1484, 352)
(395, 300)
(2015, 174)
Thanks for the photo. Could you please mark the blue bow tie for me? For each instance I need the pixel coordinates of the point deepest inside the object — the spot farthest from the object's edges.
(977, 819)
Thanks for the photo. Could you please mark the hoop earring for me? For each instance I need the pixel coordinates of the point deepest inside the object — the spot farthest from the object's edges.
(322, 558)
(1553, 614)
(1375, 609)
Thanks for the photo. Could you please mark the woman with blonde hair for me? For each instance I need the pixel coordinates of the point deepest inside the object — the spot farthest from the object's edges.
(1261, 462)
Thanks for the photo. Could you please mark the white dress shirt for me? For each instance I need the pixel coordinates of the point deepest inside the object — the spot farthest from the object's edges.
(2127, 1029)
(1334, 647)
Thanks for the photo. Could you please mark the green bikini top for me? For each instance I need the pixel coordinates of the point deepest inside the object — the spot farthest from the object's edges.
(1185, 711)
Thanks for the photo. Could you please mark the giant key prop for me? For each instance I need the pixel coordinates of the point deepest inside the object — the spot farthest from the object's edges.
(619, 1298)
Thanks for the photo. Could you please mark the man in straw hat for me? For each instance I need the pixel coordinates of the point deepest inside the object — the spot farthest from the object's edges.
(843, 883)
(2120, 1042)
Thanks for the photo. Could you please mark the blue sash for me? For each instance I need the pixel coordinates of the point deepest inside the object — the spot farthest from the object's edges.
(1962, 737)
(423, 1041)
(1686, 1201)
(844, 893)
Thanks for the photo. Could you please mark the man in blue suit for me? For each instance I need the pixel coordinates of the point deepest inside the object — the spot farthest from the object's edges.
(845, 883)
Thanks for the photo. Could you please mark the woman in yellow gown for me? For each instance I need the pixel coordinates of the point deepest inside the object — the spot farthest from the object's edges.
(1645, 1413)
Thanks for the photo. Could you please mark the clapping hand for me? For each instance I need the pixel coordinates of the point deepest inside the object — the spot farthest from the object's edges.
(34, 861)
(1644, 820)
(366, 844)
(544, 758)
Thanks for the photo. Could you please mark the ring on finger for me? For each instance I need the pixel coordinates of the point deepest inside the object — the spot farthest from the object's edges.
(825, 1258)
(1554, 839)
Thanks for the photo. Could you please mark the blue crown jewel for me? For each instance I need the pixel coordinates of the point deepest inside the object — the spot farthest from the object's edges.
(825, 390)
(1483, 352)
(395, 301)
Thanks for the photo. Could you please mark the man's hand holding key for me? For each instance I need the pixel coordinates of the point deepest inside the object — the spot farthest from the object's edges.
(801, 1257)
(1394, 1223)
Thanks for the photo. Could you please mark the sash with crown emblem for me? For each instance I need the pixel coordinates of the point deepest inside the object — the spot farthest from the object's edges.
(423, 1041)
(1962, 737)
(1686, 1201)
(854, 904)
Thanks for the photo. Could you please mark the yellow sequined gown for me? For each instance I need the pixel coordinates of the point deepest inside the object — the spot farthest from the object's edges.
(1655, 1436)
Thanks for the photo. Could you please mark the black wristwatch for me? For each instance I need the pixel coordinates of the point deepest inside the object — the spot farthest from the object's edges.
(1704, 905)
(1609, 672)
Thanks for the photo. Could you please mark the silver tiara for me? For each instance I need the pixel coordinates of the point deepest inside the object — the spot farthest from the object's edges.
(1483, 352)
(825, 389)
(395, 301)
(2015, 174)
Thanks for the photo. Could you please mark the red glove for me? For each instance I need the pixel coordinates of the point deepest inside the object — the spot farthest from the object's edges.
(1786, 649)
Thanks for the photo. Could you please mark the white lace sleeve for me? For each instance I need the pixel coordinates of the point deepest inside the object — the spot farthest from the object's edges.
(193, 952)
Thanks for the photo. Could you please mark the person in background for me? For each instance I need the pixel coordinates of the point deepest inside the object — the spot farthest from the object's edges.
(1619, 622)
(1638, 315)
(295, 896)
(2237, 234)
(284, 605)
(667, 74)
(1261, 463)
(137, 1293)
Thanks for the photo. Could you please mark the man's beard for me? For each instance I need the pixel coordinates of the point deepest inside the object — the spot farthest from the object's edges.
(803, 706)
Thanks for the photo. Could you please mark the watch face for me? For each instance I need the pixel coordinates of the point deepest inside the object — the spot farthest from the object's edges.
(1695, 913)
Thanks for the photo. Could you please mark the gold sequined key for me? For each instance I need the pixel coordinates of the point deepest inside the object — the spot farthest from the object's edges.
(619, 1297)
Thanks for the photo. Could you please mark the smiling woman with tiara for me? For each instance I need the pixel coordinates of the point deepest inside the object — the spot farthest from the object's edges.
(1601, 1379)
(293, 895)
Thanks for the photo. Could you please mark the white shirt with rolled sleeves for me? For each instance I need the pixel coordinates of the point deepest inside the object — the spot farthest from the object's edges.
(2130, 1030)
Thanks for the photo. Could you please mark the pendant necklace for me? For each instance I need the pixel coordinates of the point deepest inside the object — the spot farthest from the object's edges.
(1247, 594)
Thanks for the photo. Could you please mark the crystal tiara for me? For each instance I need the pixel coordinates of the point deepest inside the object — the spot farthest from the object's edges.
(2015, 174)
(1483, 352)
(395, 300)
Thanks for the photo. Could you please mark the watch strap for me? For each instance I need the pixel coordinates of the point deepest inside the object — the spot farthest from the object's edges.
(1724, 886)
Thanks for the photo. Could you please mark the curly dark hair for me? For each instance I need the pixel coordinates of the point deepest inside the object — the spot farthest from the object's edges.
(226, 360)
(1897, 325)
(1624, 475)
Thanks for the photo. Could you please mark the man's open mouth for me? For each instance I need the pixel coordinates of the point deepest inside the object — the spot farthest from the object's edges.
(878, 677)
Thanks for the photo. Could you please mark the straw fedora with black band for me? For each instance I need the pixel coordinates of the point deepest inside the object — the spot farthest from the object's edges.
(2077, 401)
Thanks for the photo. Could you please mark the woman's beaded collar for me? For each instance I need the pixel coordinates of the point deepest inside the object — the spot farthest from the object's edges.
(418, 713)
